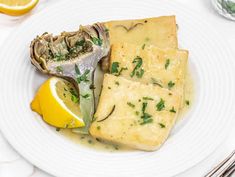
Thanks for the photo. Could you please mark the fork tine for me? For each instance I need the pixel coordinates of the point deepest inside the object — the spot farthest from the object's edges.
(230, 171)
(223, 166)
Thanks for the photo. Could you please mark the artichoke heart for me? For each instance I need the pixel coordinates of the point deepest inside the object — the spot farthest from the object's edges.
(74, 56)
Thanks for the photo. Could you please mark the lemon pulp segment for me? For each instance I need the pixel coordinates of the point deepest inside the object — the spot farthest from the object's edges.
(57, 102)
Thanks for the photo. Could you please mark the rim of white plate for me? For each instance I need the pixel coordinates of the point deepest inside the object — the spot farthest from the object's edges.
(69, 159)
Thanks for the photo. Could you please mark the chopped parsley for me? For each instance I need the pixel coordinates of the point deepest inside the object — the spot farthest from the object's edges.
(59, 69)
(167, 63)
(137, 113)
(75, 98)
(146, 121)
(57, 129)
(116, 147)
(86, 96)
(115, 69)
(90, 141)
(97, 41)
(83, 77)
(147, 98)
(144, 105)
(147, 39)
(117, 83)
(155, 82)
(122, 69)
(98, 127)
(59, 57)
(146, 118)
(80, 43)
(109, 87)
(138, 71)
(77, 70)
(130, 104)
(170, 84)
(74, 95)
(187, 102)
(161, 125)
(143, 46)
(160, 105)
(173, 110)
(73, 92)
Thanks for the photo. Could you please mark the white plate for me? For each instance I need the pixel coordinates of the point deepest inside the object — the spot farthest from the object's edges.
(202, 131)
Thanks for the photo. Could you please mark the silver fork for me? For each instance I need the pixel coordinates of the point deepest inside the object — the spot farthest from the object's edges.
(225, 169)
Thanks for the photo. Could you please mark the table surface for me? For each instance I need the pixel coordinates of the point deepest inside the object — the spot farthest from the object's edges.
(13, 165)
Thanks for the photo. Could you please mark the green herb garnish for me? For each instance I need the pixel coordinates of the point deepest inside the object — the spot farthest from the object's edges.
(80, 43)
(97, 41)
(173, 110)
(83, 77)
(86, 96)
(170, 84)
(137, 113)
(59, 57)
(59, 69)
(117, 83)
(114, 67)
(144, 105)
(130, 104)
(147, 39)
(146, 118)
(74, 95)
(160, 105)
(138, 61)
(116, 147)
(75, 98)
(98, 127)
(147, 98)
(77, 70)
(146, 121)
(167, 63)
(140, 73)
(122, 69)
(161, 125)
(90, 141)
(143, 46)
(187, 102)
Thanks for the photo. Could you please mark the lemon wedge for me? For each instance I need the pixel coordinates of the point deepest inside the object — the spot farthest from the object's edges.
(58, 103)
(17, 7)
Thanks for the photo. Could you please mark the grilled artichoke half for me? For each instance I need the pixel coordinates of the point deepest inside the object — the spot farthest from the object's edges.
(74, 56)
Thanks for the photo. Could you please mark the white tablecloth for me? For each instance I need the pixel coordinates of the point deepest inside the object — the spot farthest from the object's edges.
(13, 165)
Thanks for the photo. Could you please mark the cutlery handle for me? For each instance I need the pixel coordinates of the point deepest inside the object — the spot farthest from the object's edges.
(225, 165)
(230, 171)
